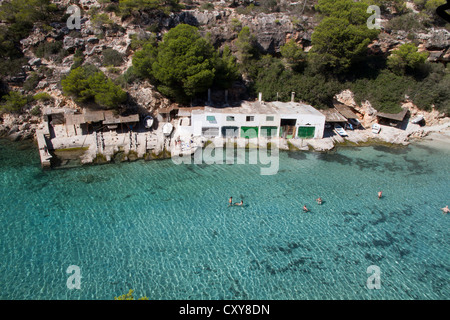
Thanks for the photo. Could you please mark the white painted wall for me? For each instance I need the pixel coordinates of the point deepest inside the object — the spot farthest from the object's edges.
(199, 121)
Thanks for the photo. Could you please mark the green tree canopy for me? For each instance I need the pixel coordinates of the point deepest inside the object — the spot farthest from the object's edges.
(245, 45)
(406, 58)
(342, 37)
(294, 55)
(226, 69)
(185, 61)
(13, 102)
(88, 85)
(184, 64)
(128, 6)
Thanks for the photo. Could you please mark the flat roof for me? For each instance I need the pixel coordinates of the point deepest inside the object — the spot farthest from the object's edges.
(257, 107)
(104, 116)
(345, 111)
(394, 116)
(332, 115)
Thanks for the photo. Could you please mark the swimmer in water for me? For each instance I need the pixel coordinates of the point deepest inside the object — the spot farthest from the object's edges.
(319, 200)
(445, 210)
(380, 194)
(230, 201)
(239, 203)
(305, 209)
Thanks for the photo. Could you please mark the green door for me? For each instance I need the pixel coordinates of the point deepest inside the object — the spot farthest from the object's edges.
(268, 131)
(306, 132)
(249, 132)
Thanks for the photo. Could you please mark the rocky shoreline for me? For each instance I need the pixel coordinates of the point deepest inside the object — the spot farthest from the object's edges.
(22, 128)
(222, 23)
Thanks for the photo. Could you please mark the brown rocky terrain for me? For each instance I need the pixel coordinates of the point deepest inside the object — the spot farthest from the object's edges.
(222, 22)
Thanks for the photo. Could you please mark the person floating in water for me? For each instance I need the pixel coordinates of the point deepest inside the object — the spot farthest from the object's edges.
(445, 210)
(230, 201)
(305, 209)
(319, 200)
(380, 194)
(239, 203)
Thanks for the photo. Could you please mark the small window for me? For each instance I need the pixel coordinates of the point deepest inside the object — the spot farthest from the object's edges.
(211, 119)
(270, 118)
(230, 118)
(250, 118)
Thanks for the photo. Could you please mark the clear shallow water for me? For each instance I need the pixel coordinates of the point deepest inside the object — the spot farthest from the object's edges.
(166, 230)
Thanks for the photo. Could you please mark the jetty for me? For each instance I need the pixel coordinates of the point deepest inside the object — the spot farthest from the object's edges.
(43, 149)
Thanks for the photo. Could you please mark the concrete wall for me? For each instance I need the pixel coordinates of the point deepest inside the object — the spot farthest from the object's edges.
(199, 121)
(305, 120)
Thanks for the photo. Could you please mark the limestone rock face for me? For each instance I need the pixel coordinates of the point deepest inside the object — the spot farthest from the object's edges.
(432, 118)
(346, 97)
(147, 97)
(364, 109)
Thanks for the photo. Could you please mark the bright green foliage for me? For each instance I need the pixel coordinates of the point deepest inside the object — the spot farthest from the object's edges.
(226, 69)
(13, 102)
(406, 58)
(143, 60)
(398, 5)
(245, 45)
(277, 82)
(184, 64)
(353, 12)
(433, 90)
(294, 55)
(42, 96)
(88, 85)
(385, 92)
(342, 37)
(126, 7)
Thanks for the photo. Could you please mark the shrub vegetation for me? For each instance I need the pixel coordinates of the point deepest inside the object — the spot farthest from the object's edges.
(88, 86)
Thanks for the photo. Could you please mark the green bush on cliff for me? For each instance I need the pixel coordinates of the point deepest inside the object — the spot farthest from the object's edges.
(88, 85)
(341, 38)
(18, 18)
(405, 59)
(184, 64)
(127, 7)
(13, 102)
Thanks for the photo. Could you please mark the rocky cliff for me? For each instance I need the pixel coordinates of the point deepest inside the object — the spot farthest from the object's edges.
(222, 20)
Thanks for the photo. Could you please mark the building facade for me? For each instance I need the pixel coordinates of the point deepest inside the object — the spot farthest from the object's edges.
(288, 120)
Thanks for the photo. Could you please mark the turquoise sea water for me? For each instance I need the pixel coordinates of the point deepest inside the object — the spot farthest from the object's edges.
(166, 231)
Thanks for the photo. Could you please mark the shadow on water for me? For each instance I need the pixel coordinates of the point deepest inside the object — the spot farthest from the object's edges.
(392, 149)
(334, 157)
(18, 154)
(416, 167)
(91, 178)
(297, 155)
